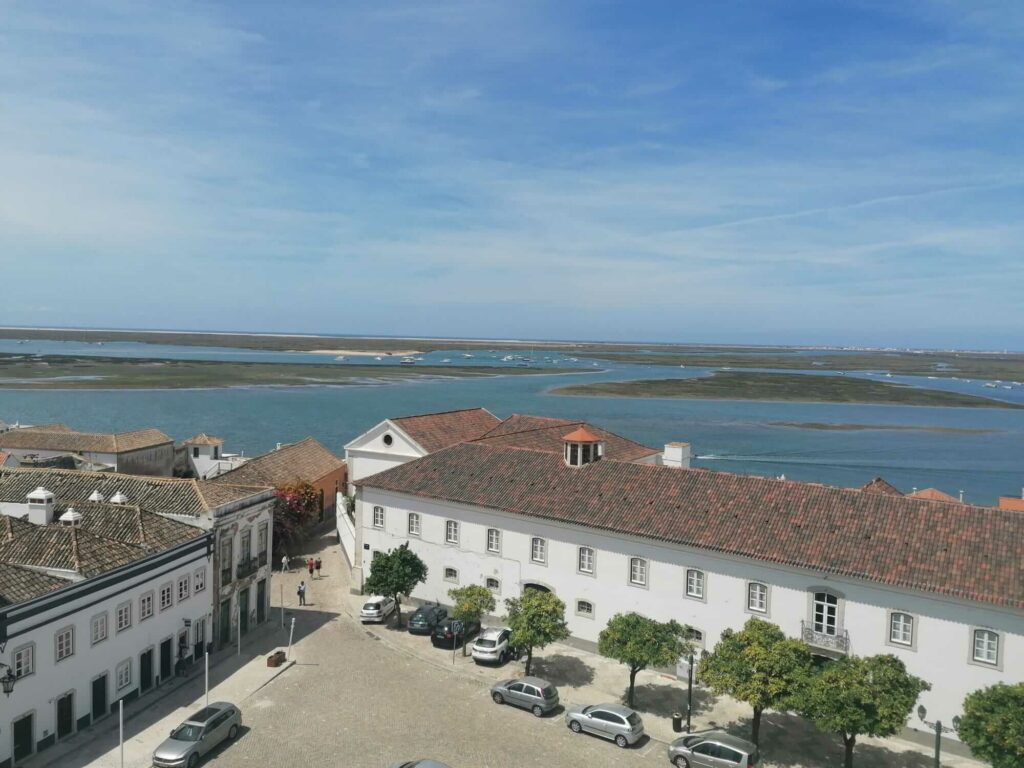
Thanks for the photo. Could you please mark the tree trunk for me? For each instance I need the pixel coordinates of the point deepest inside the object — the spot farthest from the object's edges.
(756, 732)
(632, 682)
(848, 742)
(529, 659)
(398, 610)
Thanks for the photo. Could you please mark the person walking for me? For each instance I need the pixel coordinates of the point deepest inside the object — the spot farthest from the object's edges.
(284, 564)
(310, 564)
(318, 564)
(301, 592)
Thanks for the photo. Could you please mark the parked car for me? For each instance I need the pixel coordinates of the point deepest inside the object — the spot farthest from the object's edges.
(532, 693)
(198, 735)
(713, 749)
(493, 647)
(610, 721)
(426, 618)
(444, 633)
(377, 609)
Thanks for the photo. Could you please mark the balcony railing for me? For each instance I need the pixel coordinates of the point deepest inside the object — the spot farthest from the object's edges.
(837, 643)
(247, 567)
(225, 575)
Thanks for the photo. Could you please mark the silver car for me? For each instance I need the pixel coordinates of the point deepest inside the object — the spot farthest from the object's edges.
(532, 693)
(611, 721)
(198, 735)
(713, 749)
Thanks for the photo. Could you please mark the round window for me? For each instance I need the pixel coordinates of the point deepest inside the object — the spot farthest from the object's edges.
(388, 439)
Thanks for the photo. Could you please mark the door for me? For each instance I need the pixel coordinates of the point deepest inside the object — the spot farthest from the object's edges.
(243, 611)
(261, 601)
(65, 716)
(23, 738)
(99, 697)
(515, 694)
(165, 659)
(200, 647)
(225, 622)
(146, 670)
(705, 755)
(597, 722)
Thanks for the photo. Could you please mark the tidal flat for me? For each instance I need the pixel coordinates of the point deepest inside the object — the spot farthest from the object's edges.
(734, 385)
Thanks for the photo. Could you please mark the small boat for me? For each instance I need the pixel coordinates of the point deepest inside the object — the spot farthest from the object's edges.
(466, 355)
(341, 357)
(378, 357)
(407, 361)
(446, 360)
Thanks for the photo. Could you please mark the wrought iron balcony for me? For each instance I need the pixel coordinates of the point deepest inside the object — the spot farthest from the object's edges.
(837, 643)
(247, 567)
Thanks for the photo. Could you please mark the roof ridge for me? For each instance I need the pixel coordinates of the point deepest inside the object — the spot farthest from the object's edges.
(440, 413)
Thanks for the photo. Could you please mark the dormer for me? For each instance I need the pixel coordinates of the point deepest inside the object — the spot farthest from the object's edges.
(582, 447)
(40, 506)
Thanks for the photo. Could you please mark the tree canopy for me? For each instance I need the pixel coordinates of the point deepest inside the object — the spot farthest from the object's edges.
(395, 573)
(993, 724)
(758, 665)
(640, 642)
(472, 602)
(297, 504)
(855, 696)
(536, 619)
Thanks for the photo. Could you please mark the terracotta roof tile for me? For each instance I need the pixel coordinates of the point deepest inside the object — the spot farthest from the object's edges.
(19, 584)
(880, 485)
(934, 494)
(51, 439)
(968, 552)
(537, 433)
(1014, 503)
(581, 435)
(204, 439)
(306, 461)
(435, 431)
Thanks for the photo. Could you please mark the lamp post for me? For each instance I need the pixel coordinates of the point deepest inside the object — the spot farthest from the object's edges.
(689, 693)
(939, 730)
(8, 679)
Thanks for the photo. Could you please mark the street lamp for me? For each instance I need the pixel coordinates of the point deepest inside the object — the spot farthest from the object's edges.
(7, 680)
(939, 730)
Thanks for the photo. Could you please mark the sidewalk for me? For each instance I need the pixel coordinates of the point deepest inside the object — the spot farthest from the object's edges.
(583, 677)
(149, 719)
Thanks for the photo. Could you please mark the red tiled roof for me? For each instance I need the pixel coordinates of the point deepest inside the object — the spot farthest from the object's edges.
(537, 433)
(1011, 502)
(974, 553)
(581, 435)
(934, 494)
(880, 485)
(436, 431)
(306, 461)
(204, 439)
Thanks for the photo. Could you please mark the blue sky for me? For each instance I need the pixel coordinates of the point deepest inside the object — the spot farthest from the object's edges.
(804, 172)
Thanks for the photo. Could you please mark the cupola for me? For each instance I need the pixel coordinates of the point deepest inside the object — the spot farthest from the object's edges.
(40, 506)
(118, 498)
(96, 496)
(71, 518)
(582, 447)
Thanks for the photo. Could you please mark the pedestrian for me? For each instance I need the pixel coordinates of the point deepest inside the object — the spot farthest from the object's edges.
(318, 564)
(301, 592)
(310, 564)
(284, 564)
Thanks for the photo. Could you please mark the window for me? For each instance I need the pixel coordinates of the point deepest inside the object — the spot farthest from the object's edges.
(226, 560)
(184, 587)
(124, 616)
(166, 598)
(388, 439)
(451, 532)
(539, 550)
(451, 574)
(493, 584)
(638, 571)
(695, 583)
(24, 661)
(245, 546)
(216, 451)
(64, 641)
(414, 524)
(145, 606)
(199, 580)
(901, 628)
(826, 613)
(695, 636)
(585, 560)
(757, 597)
(98, 632)
(986, 646)
(124, 674)
(585, 608)
(261, 544)
(493, 540)
(378, 517)
(195, 452)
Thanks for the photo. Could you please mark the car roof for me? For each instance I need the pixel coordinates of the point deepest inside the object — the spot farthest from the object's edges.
(492, 632)
(538, 681)
(618, 709)
(729, 740)
(208, 712)
(376, 599)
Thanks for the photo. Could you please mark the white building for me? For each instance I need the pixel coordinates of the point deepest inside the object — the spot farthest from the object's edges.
(861, 572)
(241, 518)
(206, 458)
(98, 603)
(144, 452)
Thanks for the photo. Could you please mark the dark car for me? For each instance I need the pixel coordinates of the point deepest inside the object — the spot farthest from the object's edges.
(425, 618)
(444, 633)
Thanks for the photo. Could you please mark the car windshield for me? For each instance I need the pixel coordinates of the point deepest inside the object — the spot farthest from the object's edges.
(187, 732)
(370, 607)
(484, 643)
(634, 719)
(549, 692)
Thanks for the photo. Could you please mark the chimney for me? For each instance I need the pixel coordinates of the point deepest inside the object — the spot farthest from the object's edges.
(40, 506)
(676, 455)
(71, 518)
(96, 496)
(118, 498)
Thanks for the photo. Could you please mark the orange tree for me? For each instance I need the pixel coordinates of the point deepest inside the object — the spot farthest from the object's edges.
(297, 505)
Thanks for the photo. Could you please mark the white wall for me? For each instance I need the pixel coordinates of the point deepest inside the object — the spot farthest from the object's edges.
(234, 526)
(370, 453)
(51, 679)
(943, 626)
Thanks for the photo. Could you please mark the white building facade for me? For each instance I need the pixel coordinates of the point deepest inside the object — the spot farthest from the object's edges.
(80, 649)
